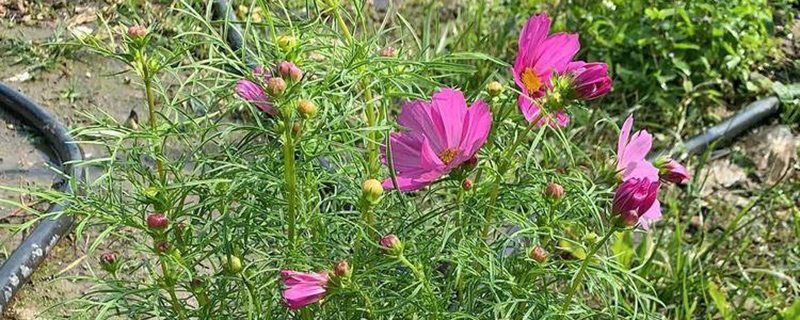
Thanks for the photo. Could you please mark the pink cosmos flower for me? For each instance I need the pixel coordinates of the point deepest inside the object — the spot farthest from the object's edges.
(631, 153)
(539, 57)
(589, 80)
(443, 133)
(635, 200)
(253, 93)
(302, 289)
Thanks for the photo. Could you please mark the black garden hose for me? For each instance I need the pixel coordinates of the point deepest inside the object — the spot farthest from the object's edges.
(19, 267)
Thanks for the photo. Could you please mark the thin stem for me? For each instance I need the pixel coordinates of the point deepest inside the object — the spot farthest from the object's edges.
(459, 211)
(368, 216)
(582, 270)
(421, 278)
(151, 108)
(342, 25)
(289, 172)
(504, 166)
(176, 306)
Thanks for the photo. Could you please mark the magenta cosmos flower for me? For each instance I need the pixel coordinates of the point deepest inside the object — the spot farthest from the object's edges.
(539, 57)
(443, 133)
(635, 202)
(253, 93)
(589, 80)
(302, 289)
(631, 153)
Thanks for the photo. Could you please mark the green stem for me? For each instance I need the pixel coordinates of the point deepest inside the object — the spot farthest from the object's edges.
(368, 216)
(367, 301)
(289, 172)
(459, 211)
(176, 306)
(582, 270)
(342, 25)
(421, 278)
(504, 166)
(151, 108)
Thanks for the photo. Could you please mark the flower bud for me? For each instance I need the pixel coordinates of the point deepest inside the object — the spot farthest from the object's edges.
(109, 262)
(287, 43)
(371, 190)
(289, 70)
(672, 171)
(157, 221)
(137, 31)
(629, 219)
(588, 80)
(538, 254)
(388, 52)
(391, 244)
(554, 191)
(342, 269)
(494, 88)
(234, 264)
(467, 184)
(295, 74)
(276, 86)
(306, 109)
(163, 246)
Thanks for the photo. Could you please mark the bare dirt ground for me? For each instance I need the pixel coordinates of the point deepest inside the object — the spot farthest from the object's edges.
(84, 83)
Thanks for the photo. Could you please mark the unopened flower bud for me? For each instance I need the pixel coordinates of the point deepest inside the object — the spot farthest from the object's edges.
(342, 269)
(162, 246)
(388, 52)
(276, 86)
(284, 68)
(137, 31)
(108, 261)
(494, 88)
(672, 171)
(157, 221)
(554, 191)
(306, 109)
(391, 244)
(538, 254)
(629, 218)
(371, 190)
(234, 264)
(295, 74)
(467, 184)
(287, 43)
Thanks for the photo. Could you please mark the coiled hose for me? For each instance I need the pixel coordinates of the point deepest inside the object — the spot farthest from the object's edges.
(19, 267)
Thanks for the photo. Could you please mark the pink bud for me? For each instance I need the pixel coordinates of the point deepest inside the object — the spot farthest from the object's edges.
(674, 172)
(341, 269)
(108, 258)
(538, 254)
(391, 244)
(137, 31)
(163, 246)
(554, 190)
(276, 86)
(388, 52)
(634, 197)
(284, 68)
(467, 184)
(157, 221)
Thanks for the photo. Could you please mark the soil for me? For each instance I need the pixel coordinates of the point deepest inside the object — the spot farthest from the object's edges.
(70, 87)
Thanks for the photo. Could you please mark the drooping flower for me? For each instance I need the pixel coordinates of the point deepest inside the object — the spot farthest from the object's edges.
(631, 153)
(253, 93)
(539, 57)
(589, 80)
(635, 202)
(302, 289)
(443, 133)
(672, 171)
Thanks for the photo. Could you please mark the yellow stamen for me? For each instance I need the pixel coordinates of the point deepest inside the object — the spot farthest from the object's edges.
(531, 80)
(448, 155)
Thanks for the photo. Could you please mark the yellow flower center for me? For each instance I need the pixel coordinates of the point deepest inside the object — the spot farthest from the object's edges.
(448, 155)
(531, 80)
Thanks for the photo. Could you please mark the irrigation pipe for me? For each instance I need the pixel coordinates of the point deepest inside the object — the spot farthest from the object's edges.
(30, 253)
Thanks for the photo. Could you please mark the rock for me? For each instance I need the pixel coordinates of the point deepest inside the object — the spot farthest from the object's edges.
(722, 174)
(773, 151)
